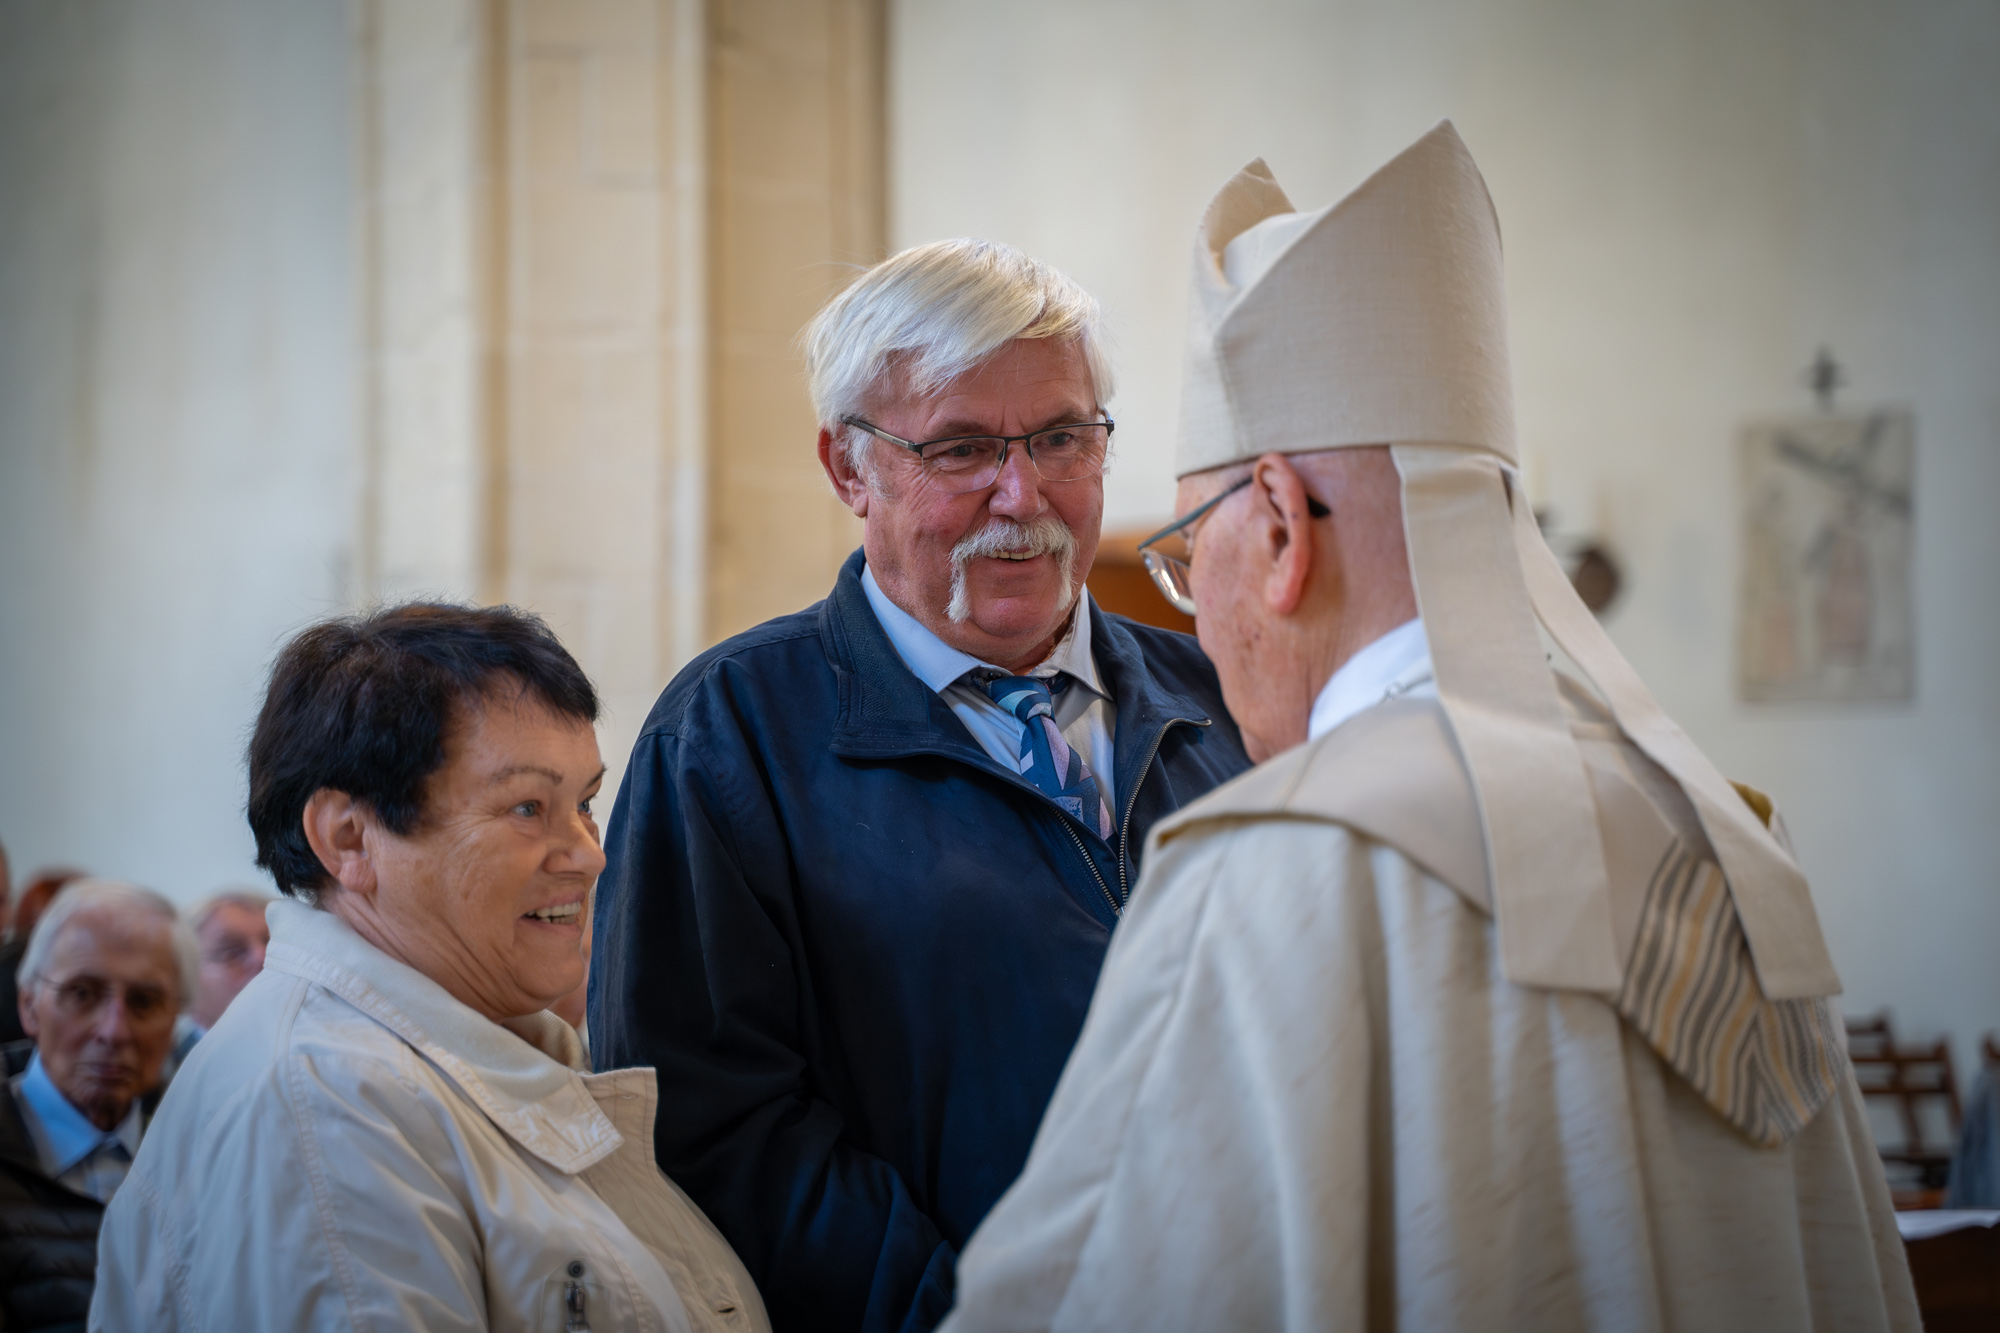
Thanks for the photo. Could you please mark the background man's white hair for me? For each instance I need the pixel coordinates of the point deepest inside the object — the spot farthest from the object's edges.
(110, 895)
(933, 312)
(254, 899)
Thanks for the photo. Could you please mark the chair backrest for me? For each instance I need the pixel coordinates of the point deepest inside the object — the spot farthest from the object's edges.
(1869, 1038)
(1910, 1078)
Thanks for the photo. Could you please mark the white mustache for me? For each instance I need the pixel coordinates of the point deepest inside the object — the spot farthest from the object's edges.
(1046, 535)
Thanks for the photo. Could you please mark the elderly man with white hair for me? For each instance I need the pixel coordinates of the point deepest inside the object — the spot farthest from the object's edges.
(232, 934)
(867, 858)
(1484, 1001)
(105, 974)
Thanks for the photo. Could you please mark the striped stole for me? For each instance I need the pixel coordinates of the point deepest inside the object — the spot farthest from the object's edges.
(1691, 991)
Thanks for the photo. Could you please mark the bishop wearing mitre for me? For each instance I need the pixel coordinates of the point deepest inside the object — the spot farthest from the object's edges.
(1484, 1001)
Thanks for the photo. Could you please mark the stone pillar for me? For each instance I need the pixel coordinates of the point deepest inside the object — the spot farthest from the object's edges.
(425, 526)
(602, 376)
(593, 230)
(796, 149)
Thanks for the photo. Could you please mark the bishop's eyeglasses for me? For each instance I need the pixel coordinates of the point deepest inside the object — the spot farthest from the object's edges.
(1169, 552)
(973, 462)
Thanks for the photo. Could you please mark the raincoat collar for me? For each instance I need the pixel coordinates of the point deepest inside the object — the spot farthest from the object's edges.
(514, 1074)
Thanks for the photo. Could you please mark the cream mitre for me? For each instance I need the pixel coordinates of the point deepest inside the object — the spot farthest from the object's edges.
(1382, 321)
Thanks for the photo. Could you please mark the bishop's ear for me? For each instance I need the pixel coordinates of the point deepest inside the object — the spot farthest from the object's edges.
(1285, 514)
(337, 826)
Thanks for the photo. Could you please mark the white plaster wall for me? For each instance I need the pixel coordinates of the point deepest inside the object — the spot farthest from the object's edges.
(1695, 195)
(179, 410)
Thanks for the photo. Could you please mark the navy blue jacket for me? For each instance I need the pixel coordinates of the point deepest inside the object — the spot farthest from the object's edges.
(858, 950)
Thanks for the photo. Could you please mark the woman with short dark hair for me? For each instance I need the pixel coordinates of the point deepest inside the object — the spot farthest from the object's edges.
(387, 1130)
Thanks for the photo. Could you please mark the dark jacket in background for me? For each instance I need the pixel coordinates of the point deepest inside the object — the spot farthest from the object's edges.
(858, 950)
(48, 1232)
(10, 969)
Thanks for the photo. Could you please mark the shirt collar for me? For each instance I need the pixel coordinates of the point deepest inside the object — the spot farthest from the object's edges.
(1398, 661)
(510, 1073)
(66, 1134)
(939, 665)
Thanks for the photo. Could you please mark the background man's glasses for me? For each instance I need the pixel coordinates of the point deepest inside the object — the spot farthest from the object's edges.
(232, 956)
(973, 462)
(85, 997)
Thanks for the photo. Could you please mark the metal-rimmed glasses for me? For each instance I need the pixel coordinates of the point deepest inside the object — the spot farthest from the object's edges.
(973, 462)
(1169, 552)
(84, 998)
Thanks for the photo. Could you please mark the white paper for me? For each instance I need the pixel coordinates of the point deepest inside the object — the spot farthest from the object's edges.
(1923, 1223)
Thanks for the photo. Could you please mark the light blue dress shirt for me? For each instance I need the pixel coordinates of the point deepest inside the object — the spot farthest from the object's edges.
(1085, 713)
(74, 1152)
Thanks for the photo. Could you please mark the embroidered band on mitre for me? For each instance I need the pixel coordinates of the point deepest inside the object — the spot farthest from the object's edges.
(1382, 321)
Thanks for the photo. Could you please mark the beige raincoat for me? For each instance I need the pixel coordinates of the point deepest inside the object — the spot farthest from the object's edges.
(351, 1147)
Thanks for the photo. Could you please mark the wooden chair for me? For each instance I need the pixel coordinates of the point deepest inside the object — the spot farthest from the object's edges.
(1914, 1080)
(1957, 1275)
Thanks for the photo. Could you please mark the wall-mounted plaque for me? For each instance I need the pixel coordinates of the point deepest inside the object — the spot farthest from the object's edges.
(1827, 595)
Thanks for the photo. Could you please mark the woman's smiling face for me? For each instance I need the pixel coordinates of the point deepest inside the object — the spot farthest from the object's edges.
(487, 895)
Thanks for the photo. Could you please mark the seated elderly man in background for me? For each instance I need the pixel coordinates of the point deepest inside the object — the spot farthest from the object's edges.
(867, 857)
(1483, 1002)
(104, 974)
(232, 934)
(388, 1131)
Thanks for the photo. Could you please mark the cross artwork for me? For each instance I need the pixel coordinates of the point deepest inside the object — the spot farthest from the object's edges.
(1825, 612)
(1825, 375)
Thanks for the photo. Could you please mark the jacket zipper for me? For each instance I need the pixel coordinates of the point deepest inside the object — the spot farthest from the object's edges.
(576, 1315)
(1084, 852)
(1131, 803)
(1125, 825)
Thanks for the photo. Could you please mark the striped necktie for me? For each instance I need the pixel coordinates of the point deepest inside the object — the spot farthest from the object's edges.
(1046, 758)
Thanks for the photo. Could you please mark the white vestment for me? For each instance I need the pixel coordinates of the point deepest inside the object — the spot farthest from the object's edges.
(1307, 1098)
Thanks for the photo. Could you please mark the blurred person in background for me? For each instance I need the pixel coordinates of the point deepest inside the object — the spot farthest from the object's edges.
(230, 930)
(6, 884)
(388, 1130)
(232, 933)
(1975, 1166)
(104, 974)
(35, 897)
(866, 858)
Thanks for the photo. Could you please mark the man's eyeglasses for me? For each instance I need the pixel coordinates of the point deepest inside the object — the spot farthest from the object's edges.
(231, 954)
(85, 998)
(1169, 552)
(973, 462)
